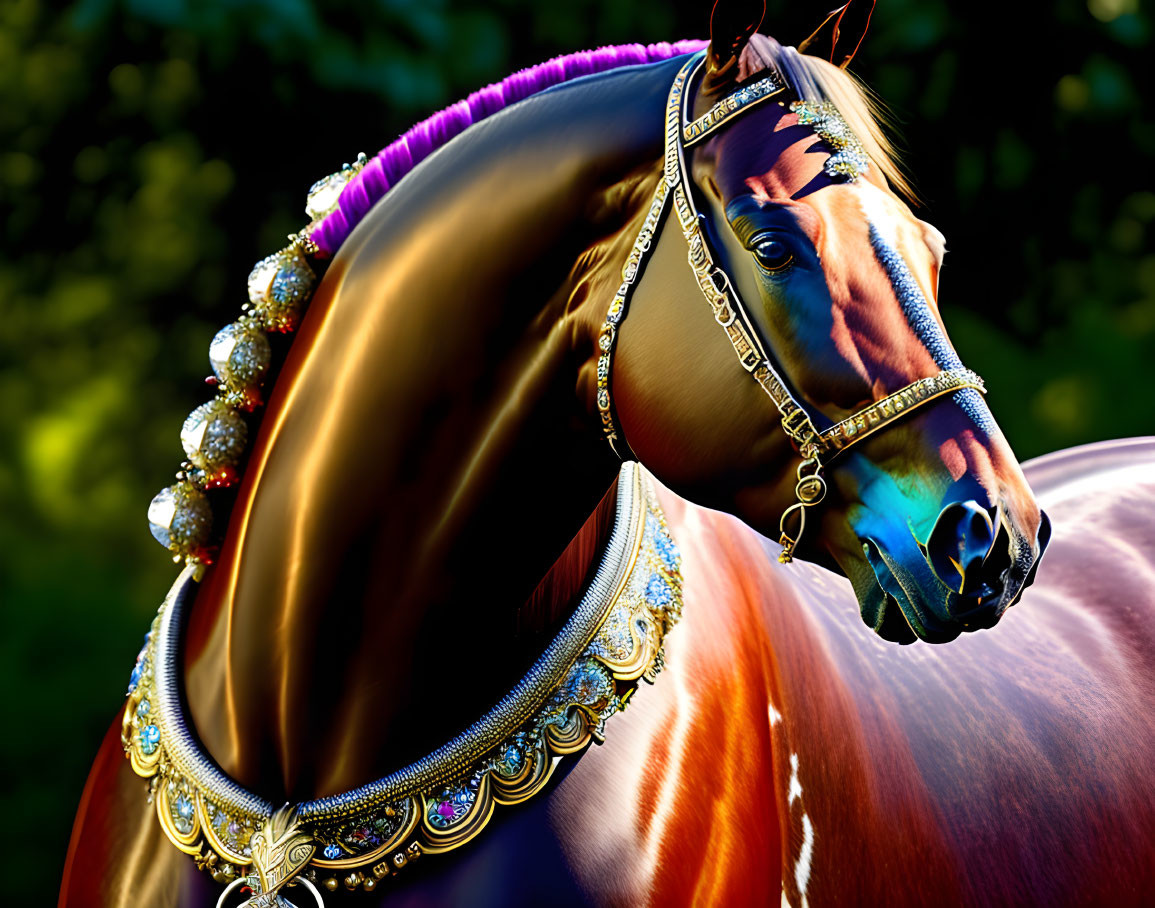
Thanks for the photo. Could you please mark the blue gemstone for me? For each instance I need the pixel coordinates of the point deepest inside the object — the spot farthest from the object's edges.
(143, 708)
(184, 807)
(134, 678)
(331, 852)
(667, 551)
(149, 739)
(658, 591)
(513, 758)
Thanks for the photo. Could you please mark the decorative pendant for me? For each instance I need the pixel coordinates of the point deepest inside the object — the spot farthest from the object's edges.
(281, 849)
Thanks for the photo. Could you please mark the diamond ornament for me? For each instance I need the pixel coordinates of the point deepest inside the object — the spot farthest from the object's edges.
(240, 355)
(326, 193)
(279, 289)
(180, 518)
(213, 437)
(848, 158)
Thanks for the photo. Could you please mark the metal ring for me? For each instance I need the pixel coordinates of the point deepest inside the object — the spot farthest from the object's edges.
(810, 463)
(724, 287)
(814, 480)
(229, 888)
(313, 889)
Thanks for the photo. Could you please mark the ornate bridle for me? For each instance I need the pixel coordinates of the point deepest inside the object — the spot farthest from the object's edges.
(849, 159)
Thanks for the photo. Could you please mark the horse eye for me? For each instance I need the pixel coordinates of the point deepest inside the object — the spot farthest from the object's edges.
(773, 255)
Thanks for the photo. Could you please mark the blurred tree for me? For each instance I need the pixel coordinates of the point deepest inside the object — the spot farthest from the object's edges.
(152, 150)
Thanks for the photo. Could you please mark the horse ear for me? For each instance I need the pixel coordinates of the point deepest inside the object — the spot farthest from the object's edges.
(732, 22)
(842, 30)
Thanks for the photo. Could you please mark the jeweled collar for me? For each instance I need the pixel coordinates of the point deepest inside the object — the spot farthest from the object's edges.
(587, 673)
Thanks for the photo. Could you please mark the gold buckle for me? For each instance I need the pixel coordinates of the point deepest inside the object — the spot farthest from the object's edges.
(798, 426)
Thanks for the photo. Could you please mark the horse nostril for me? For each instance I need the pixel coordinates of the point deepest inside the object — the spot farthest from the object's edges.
(959, 544)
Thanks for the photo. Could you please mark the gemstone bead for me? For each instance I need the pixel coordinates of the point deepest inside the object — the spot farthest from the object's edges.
(279, 289)
(326, 193)
(149, 739)
(213, 437)
(331, 852)
(182, 814)
(513, 760)
(240, 356)
(134, 678)
(588, 684)
(261, 278)
(180, 518)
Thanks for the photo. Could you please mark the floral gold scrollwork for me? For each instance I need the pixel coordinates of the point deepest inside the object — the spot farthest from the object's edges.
(455, 814)
(227, 835)
(367, 840)
(176, 809)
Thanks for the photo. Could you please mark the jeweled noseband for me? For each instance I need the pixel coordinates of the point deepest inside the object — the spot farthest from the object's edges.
(849, 159)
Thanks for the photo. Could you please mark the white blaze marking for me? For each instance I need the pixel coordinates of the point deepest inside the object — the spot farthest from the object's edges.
(794, 788)
(802, 868)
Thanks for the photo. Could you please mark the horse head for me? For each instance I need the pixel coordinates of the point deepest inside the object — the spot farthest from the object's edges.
(930, 516)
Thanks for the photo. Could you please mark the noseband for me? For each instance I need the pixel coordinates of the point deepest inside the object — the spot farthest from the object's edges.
(816, 448)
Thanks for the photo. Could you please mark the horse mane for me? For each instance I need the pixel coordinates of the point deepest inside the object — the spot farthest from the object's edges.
(395, 160)
(810, 77)
(814, 79)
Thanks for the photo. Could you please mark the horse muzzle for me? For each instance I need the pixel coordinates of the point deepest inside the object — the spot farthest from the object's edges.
(973, 566)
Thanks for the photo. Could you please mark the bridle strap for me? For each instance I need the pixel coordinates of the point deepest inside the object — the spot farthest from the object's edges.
(815, 447)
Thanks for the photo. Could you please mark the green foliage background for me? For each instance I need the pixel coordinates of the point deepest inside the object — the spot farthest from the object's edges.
(152, 150)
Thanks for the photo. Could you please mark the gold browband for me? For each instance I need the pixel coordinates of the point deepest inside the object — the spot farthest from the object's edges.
(729, 107)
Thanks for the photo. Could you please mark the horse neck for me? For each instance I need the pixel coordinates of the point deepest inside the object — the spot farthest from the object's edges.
(423, 459)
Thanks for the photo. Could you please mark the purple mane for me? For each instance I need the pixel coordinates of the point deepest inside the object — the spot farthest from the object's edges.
(398, 158)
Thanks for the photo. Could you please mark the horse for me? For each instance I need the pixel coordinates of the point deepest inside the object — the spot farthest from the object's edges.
(431, 447)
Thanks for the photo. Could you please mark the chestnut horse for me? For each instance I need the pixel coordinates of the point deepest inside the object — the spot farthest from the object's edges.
(431, 446)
